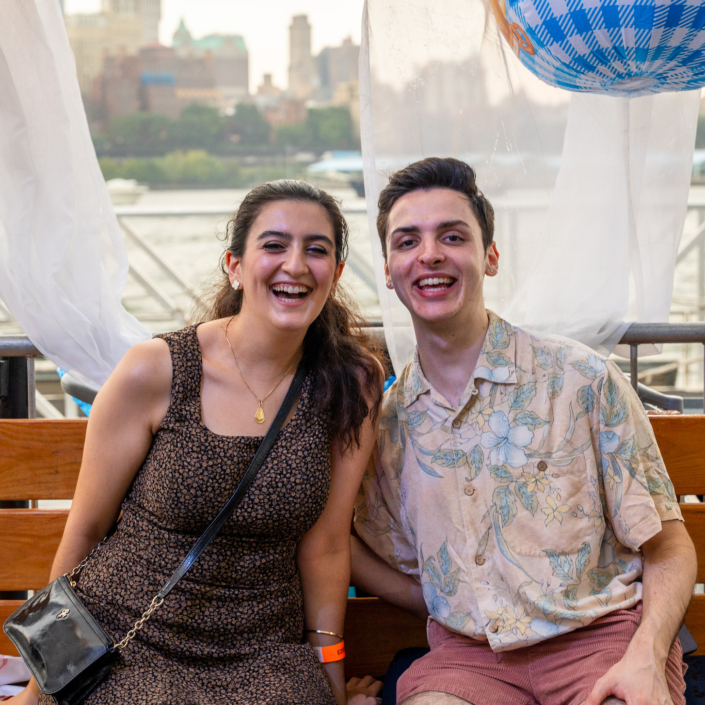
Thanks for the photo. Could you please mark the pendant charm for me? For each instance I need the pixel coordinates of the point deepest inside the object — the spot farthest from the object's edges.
(259, 416)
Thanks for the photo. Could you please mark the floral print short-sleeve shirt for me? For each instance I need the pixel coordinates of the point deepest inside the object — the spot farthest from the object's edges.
(521, 511)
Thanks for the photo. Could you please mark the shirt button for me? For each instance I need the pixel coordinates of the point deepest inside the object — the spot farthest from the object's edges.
(479, 560)
(542, 465)
(469, 490)
(457, 423)
(494, 628)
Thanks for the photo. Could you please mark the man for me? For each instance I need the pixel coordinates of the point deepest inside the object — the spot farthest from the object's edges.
(518, 481)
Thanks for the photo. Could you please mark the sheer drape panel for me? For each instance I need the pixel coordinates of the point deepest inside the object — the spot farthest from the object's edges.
(63, 264)
(590, 191)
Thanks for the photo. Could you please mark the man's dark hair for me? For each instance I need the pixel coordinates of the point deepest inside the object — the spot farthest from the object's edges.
(430, 173)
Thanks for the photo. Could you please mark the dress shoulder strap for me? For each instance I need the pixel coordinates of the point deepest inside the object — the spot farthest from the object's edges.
(187, 370)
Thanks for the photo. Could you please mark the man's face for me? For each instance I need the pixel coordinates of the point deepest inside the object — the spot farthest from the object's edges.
(435, 256)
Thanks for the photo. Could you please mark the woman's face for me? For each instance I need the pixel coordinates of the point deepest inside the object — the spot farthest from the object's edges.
(288, 269)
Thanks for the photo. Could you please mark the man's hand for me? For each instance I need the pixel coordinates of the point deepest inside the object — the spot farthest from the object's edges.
(637, 681)
(363, 691)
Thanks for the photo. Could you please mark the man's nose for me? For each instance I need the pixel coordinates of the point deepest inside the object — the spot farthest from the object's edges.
(430, 252)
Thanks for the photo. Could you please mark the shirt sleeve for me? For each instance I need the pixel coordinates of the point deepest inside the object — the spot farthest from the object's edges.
(639, 494)
(379, 512)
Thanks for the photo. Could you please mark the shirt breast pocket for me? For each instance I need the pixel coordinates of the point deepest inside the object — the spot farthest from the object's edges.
(553, 509)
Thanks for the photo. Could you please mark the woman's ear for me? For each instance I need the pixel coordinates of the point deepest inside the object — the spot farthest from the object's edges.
(232, 264)
(336, 278)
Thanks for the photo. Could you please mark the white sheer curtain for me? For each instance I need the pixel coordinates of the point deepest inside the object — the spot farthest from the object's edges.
(590, 192)
(63, 264)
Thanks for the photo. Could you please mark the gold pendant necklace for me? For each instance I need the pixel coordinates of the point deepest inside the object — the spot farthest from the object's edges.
(259, 414)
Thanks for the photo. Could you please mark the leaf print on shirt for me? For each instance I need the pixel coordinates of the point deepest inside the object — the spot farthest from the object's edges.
(554, 386)
(543, 357)
(506, 442)
(591, 368)
(521, 397)
(498, 335)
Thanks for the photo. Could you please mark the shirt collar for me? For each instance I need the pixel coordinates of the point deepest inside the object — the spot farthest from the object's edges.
(496, 364)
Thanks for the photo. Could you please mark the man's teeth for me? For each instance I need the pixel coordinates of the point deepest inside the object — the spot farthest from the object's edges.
(285, 289)
(435, 281)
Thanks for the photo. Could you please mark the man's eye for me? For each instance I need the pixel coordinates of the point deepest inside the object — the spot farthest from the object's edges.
(454, 237)
(406, 243)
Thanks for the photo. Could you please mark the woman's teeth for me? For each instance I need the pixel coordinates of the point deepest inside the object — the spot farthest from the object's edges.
(290, 292)
(435, 283)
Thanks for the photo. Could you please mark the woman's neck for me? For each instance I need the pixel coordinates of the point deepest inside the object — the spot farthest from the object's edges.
(257, 343)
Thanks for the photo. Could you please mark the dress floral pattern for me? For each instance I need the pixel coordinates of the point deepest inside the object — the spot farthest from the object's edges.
(521, 511)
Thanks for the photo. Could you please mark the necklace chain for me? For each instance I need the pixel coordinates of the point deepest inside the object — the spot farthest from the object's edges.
(259, 415)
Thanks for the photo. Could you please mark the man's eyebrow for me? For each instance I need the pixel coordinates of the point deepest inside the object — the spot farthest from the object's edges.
(313, 237)
(451, 224)
(406, 229)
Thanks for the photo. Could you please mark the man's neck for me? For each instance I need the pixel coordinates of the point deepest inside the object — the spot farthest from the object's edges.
(448, 352)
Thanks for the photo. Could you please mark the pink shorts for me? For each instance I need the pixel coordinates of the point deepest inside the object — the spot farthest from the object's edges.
(559, 671)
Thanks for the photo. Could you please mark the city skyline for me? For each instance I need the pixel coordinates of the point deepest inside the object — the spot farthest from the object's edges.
(264, 26)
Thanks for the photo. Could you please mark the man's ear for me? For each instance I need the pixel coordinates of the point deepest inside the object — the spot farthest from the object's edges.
(492, 260)
(387, 275)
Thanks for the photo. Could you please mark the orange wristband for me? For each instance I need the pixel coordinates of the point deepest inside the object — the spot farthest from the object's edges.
(328, 654)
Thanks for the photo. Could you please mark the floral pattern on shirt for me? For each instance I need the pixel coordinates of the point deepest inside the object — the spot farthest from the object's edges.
(521, 510)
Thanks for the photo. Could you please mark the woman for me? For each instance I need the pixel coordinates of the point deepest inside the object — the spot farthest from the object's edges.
(170, 435)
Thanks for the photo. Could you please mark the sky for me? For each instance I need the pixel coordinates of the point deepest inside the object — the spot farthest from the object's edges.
(263, 23)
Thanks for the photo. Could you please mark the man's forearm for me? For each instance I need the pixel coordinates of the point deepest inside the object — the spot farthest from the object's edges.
(670, 568)
(371, 574)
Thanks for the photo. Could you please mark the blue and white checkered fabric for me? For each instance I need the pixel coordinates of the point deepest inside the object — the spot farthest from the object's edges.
(619, 47)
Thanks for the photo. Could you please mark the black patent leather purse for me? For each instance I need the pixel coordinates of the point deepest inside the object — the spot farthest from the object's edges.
(66, 650)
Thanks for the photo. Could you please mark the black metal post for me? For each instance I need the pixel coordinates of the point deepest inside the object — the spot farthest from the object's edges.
(14, 404)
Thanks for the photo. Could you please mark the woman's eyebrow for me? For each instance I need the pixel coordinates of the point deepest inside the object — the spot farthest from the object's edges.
(313, 237)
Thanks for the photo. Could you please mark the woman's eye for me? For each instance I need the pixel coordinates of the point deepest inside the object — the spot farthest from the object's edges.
(318, 251)
(273, 246)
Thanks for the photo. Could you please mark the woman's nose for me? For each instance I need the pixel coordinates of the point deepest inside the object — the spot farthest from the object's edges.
(295, 263)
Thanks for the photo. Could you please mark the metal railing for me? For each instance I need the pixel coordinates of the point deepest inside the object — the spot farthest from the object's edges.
(14, 346)
(637, 334)
(646, 333)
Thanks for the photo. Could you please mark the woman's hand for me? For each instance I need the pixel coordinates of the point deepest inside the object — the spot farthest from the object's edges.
(363, 691)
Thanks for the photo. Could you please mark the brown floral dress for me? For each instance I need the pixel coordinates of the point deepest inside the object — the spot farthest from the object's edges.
(231, 632)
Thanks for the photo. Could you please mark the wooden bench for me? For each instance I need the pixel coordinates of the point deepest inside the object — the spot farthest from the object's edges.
(40, 460)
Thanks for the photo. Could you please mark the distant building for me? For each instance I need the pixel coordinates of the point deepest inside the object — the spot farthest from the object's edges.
(151, 16)
(336, 65)
(229, 61)
(303, 73)
(120, 28)
(267, 89)
(116, 30)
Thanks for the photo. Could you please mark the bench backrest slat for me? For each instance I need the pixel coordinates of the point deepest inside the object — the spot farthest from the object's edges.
(40, 459)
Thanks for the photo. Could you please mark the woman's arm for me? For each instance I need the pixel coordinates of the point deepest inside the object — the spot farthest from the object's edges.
(324, 554)
(371, 574)
(127, 412)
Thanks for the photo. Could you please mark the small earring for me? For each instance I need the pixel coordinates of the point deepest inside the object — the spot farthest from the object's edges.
(236, 284)
(491, 270)
(390, 285)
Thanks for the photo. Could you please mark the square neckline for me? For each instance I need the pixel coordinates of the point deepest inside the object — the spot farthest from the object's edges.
(201, 419)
